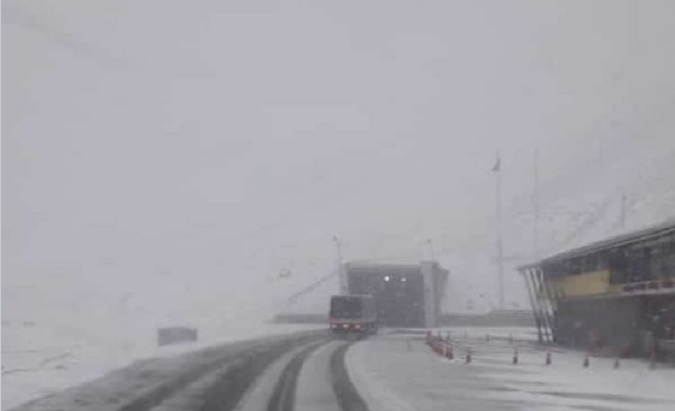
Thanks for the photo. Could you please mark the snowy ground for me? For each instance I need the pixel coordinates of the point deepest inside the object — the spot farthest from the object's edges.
(38, 360)
(400, 373)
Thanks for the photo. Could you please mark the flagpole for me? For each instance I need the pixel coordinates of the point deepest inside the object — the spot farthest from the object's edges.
(498, 214)
(535, 225)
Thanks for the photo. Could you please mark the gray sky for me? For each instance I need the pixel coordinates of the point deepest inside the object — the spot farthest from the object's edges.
(185, 153)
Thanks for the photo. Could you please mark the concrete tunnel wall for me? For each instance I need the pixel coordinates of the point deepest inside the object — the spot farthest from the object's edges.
(408, 295)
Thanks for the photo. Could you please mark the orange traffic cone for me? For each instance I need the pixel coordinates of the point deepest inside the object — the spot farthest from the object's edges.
(437, 347)
(450, 353)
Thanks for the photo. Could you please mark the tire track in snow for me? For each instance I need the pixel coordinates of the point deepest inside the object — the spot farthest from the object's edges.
(347, 395)
(283, 397)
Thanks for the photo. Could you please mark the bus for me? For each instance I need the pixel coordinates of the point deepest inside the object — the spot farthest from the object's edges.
(353, 314)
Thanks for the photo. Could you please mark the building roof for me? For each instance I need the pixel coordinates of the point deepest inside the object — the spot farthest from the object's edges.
(655, 231)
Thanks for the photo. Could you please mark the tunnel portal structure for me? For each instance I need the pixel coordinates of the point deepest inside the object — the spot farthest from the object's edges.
(407, 295)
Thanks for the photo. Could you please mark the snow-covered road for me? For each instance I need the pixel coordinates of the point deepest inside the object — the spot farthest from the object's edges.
(39, 360)
(399, 372)
(392, 371)
(309, 378)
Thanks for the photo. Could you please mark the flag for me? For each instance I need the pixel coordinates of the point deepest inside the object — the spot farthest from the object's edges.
(498, 165)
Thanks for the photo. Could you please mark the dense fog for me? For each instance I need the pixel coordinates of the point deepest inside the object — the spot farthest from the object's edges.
(164, 162)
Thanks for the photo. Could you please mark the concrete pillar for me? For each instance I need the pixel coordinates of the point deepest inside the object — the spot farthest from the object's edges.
(430, 309)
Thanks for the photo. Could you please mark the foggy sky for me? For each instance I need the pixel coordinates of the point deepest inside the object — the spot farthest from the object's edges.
(183, 153)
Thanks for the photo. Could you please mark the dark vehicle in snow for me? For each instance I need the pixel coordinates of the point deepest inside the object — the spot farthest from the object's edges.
(353, 314)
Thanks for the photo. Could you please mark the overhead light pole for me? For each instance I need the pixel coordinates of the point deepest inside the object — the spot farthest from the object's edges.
(338, 248)
(497, 169)
(431, 249)
(624, 209)
(340, 269)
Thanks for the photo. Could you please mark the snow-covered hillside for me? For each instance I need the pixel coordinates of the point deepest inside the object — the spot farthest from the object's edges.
(630, 190)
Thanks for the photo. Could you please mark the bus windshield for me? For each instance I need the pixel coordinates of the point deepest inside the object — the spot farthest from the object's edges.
(346, 307)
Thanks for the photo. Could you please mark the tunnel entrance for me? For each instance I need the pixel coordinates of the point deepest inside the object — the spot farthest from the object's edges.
(399, 291)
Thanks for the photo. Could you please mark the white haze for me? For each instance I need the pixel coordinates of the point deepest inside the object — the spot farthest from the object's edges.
(163, 161)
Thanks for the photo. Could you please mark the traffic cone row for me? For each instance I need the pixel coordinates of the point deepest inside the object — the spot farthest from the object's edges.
(450, 355)
(443, 347)
(440, 346)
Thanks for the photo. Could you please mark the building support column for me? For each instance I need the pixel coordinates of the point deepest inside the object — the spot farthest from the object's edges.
(543, 303)
(430, 306)
(535, 310)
